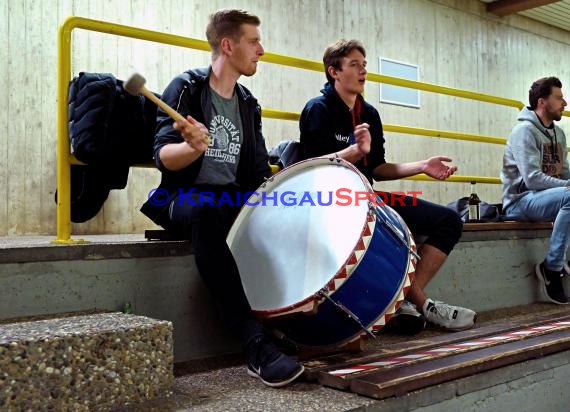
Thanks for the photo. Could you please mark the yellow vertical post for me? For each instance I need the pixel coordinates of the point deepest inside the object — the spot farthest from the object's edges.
(63, 211)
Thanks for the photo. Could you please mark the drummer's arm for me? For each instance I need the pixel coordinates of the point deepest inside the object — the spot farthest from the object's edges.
(393, 171)
(351, 154)
(433, 167)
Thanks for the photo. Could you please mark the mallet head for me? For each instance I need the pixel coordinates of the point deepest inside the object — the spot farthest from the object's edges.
(135, 84)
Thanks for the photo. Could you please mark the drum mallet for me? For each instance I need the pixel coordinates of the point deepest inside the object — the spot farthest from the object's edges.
(136, 85)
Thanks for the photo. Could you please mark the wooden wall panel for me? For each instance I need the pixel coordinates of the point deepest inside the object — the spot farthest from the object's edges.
(4, 115)
(17, 119)
(454, 42)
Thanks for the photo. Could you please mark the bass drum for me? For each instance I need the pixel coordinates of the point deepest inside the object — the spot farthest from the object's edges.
(321, 260)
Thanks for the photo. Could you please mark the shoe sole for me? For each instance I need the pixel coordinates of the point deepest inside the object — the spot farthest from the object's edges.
(467, 327)
(277, 384)
(542, 283)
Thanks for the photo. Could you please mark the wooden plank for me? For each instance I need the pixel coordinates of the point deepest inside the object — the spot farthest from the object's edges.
(50, 22)
(32, 138)
(316, 368)
(507, 225)
(4, 103)
(16, 168)
(400, 381)
(504, 8)
(339, 377)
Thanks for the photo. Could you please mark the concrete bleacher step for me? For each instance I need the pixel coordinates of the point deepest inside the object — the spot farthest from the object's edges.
(89, 362)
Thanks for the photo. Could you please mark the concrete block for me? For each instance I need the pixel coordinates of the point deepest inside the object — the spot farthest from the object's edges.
(81, 363)
(158, 287)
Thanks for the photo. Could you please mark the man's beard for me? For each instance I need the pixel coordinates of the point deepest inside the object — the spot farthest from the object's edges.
(554, 115)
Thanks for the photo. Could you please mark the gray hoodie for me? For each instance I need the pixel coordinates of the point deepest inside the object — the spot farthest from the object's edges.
(535, 158)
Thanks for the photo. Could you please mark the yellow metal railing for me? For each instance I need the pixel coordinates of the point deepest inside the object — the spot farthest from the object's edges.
(65, 159)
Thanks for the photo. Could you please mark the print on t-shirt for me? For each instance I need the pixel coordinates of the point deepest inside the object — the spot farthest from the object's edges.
(225, 142)
(219, 166)
(552, 159)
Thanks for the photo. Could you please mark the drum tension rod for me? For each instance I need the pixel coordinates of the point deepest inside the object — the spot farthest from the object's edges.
(396, 233)
(344, 309)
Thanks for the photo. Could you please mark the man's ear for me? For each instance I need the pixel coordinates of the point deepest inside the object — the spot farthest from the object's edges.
(226, 46)
(332, 72)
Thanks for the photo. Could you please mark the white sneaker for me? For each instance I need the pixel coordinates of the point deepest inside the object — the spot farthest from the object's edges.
(453, 318)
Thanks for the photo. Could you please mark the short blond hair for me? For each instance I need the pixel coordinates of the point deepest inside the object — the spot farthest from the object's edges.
(227, 23)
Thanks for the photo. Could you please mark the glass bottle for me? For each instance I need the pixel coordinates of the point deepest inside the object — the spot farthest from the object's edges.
(474, 205)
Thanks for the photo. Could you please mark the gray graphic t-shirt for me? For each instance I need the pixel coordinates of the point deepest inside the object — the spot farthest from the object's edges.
(226, 131)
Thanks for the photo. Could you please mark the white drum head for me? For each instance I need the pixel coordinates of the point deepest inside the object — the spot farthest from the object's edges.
(287, 253)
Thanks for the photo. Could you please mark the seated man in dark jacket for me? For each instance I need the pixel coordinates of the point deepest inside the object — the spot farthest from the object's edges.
(341, 123)
(224, 112)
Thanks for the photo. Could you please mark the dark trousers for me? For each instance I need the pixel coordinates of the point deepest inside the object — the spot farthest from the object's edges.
(207, 226)
(442, 226)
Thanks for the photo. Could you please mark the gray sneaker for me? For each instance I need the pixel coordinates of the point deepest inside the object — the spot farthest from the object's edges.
(453, 318)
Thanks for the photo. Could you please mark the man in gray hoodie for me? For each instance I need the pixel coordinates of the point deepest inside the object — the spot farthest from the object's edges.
(535, 178)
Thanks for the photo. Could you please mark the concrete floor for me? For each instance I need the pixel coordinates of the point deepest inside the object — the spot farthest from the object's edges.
(229, 388)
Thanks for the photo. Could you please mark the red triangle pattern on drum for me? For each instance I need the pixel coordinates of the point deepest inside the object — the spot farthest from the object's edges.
(359, 250)
(382, 320)
(380, 323)
(331, 286)
(407, 282)
(352, 260)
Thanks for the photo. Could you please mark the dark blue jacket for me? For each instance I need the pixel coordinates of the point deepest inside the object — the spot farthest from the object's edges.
(109, 130)
(326, 127)
(188, 94)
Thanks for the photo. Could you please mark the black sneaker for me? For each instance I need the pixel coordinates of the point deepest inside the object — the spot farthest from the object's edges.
(551, 284)
(267, 363)
(566, 269)
(407, 320)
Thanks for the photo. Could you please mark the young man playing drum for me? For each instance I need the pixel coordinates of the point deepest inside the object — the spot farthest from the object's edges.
(341, 123)
(220, 110)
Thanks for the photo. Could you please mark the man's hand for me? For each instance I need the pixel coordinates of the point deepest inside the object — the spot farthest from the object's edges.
(362, 138)
(194, 133)
(434, 167)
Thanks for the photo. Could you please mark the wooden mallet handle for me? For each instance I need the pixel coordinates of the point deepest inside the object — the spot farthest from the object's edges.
(135, 85)
(169, 110)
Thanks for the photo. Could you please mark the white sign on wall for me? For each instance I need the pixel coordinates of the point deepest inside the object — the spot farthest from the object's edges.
(403, 96)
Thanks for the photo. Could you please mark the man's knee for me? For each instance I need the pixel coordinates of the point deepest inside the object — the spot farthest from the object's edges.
(453, 226)
(565, 200)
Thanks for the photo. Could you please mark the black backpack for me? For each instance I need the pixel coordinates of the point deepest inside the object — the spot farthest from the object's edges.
(286, 153)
